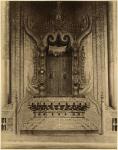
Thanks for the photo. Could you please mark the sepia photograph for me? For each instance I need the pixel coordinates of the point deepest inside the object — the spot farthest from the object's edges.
(59, 74)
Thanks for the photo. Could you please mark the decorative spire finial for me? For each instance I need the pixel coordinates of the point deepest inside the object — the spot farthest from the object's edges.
(58, 15)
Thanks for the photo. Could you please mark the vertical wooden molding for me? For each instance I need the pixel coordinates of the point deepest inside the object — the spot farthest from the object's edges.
(18, 50)
(95, 90)
(15, 115)
(22, 50)
(15, 59)
(99, 45)
(105, 59)
(13, 48)
(5, 63)
(112, 53)
(101, 131)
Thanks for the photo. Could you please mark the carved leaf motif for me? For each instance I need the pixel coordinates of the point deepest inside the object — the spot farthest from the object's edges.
(30, 33)
(85, 29)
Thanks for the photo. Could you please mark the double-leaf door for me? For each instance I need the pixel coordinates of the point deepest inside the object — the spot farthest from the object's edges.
(59, 75)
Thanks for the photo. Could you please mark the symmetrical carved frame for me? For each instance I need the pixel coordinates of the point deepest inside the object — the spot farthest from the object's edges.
(39, 78)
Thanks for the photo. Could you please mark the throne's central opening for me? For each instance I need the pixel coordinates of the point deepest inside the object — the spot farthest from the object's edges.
(59, 72)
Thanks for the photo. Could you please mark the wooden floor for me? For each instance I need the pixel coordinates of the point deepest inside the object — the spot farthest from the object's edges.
(89, 141)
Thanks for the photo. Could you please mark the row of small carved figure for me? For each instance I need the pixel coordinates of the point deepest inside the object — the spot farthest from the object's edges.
(66, 106)
(49, 114)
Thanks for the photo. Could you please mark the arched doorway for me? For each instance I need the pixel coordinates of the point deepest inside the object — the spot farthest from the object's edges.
(59, 75)
(59, 68)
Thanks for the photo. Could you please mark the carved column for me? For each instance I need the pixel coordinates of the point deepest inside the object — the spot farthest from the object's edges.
(112, 52)
(35, 62)
(42, 72)
(5, 63)
(82, 66)
(75, 75)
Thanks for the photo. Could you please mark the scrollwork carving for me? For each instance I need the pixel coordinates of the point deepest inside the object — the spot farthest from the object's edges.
(59, 41)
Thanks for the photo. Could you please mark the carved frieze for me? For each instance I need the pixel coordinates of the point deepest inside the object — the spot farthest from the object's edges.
(63, 109)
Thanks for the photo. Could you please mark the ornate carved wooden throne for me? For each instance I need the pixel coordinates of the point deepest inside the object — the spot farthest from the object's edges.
(58, 96)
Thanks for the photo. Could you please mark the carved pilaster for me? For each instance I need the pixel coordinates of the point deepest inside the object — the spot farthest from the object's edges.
(42, 72)
(82, 67)
(75, 73)
(35, 75)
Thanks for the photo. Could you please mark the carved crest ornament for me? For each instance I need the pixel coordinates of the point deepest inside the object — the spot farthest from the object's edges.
(56, 42)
